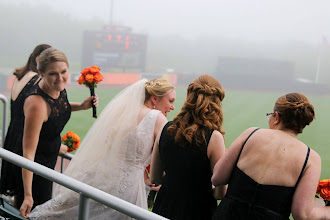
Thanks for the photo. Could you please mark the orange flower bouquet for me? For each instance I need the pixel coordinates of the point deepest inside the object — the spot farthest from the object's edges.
(71, 140)
(323, 189)
(90, 77)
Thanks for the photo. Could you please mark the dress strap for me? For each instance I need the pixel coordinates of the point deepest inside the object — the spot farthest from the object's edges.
(245, 143)
(303, 168)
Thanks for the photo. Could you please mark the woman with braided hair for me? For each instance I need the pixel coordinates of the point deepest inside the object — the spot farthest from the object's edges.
(186, 151)
(270, 173)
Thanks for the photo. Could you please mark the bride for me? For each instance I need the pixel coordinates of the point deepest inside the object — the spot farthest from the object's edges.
(115, 152)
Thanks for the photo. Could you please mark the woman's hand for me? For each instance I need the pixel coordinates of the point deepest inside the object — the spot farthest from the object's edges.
(155, 188)
(26, 206)
(63, 149)
(87, 103)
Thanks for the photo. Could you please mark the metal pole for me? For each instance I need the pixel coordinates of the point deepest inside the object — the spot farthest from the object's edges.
(84, 204)
(4, 118)
(111, 12)
(77, 186)
(62, 164)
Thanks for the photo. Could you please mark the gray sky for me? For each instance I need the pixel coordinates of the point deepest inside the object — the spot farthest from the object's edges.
(251, 20)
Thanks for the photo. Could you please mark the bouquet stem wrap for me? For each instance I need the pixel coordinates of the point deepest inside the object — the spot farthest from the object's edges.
(92, 90)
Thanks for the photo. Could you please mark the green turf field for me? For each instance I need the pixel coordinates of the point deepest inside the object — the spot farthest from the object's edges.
(242, 109)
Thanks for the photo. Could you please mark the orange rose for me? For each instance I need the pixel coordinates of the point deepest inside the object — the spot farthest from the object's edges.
(64, 138)
(71, 140)
(89, 78)
(81, 80)
(85, 71)
(98, 77)
(94, 69)
(325, 193)
(323, 188)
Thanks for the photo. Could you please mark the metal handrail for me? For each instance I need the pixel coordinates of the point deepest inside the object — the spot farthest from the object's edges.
(4, 118)
(63, 157)
(86, 192)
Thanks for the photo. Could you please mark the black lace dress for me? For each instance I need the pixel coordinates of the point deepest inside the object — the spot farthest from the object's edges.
(186, 192)
(246, 199)
(47, 149)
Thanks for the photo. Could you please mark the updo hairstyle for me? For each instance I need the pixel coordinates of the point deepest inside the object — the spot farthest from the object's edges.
(201, 112)
(157, 87)
(295, 111)
(50, 55)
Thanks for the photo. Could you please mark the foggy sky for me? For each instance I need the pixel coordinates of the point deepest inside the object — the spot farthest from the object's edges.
(249, 20)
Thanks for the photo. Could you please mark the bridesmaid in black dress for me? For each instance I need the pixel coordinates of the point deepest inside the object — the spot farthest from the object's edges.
(46, 110)
(186, 152)
(25, 78)
(269, 171)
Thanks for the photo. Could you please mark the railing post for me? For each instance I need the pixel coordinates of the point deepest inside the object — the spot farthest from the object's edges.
(84, 204)
(4, 118)
(62, 164)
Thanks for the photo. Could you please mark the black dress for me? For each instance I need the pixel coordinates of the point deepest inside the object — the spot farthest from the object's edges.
(14, 133)
(47, 149)
(247, 199)
(186, 192)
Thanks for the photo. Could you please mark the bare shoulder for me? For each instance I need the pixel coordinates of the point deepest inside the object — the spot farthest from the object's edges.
(216, 137)
(161, 119)
(35, 105)
(314, 157)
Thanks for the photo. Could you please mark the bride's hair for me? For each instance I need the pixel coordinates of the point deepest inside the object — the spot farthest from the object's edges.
(201, 112)
(157, 87)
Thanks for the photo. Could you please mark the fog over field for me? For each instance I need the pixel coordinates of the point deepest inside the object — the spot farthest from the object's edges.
(187, 35)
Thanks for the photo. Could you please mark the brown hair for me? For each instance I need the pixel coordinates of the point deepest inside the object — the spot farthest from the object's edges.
(50, 55)
(31, 64)
(295, 111)
(201, 112)
(157, 87)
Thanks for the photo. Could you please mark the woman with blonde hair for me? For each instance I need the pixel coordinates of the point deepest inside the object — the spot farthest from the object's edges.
(269, 171)
(115, 152)
(186, 151)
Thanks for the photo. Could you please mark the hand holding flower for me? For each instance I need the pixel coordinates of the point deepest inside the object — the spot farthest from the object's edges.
(90, 76)
(71, 140)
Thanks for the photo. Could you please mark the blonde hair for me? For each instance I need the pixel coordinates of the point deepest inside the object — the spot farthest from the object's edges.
(50, 55)
(157, 87)
(201, 112)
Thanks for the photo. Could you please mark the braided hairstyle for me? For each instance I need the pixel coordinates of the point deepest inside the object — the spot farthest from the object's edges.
(201, 112)
(295, 111)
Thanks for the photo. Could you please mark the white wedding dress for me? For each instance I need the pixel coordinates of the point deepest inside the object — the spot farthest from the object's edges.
(112, 158)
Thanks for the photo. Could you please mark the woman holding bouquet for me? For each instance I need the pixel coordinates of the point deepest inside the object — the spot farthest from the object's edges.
(115, 152)
(37, 134)
(187, 150)
(269, 171)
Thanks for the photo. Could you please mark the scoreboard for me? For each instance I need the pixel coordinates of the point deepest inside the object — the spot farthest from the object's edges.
(114, 47)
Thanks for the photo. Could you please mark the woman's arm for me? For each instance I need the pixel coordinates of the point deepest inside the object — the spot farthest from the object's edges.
(215, 151)
(86, 104)
(156, 171)
(35, 111)
(303, 199)
(224, 167)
